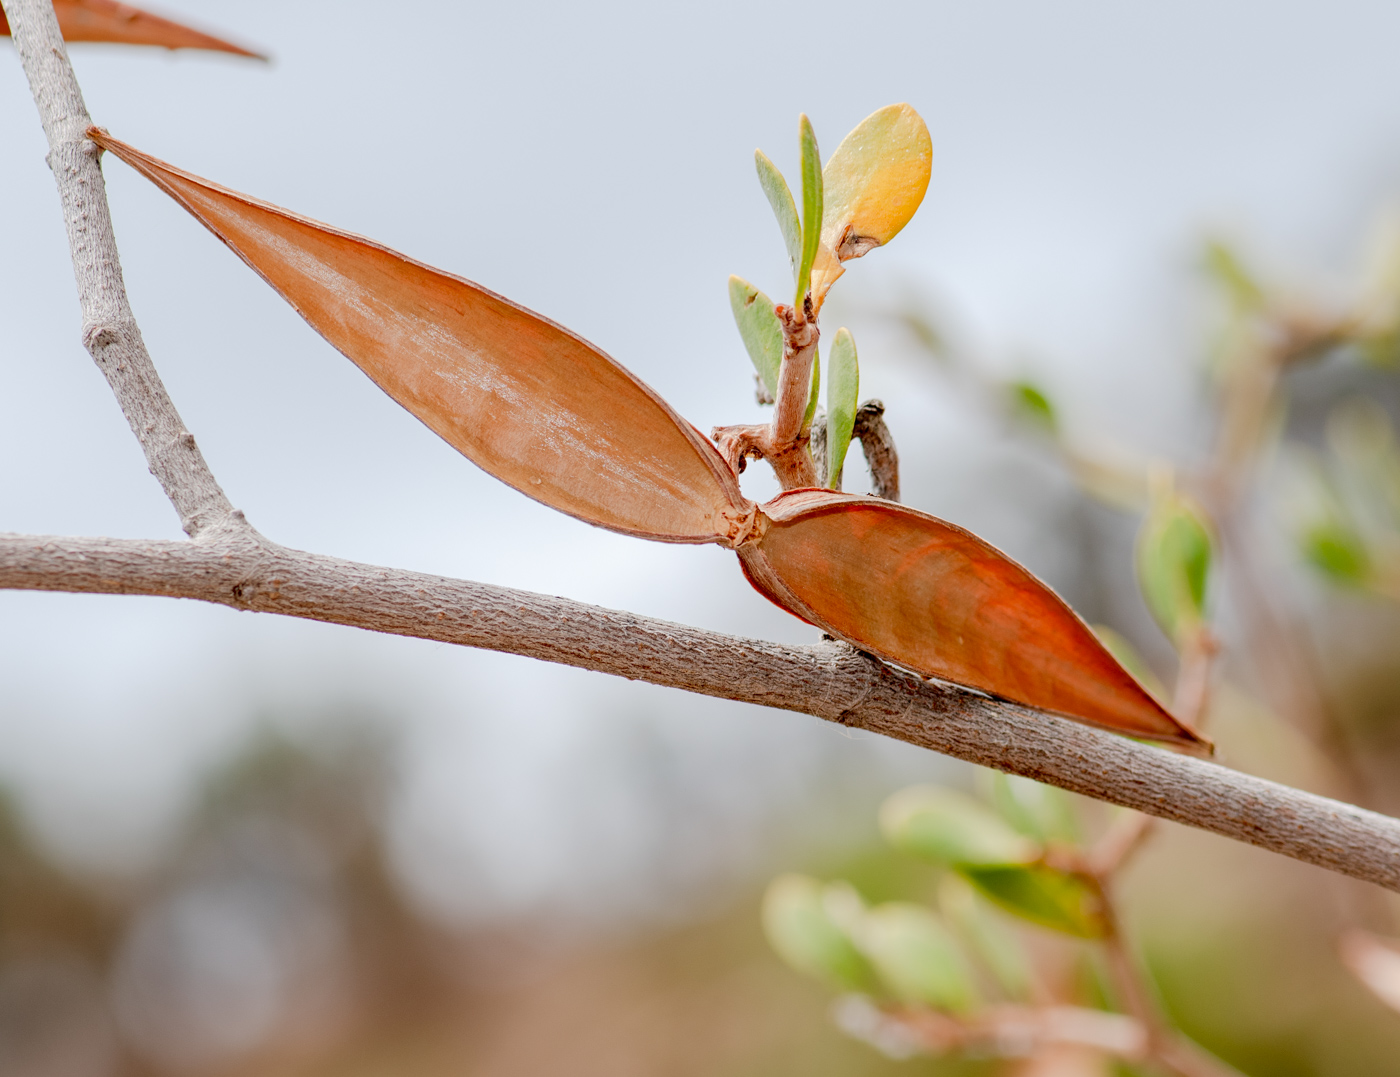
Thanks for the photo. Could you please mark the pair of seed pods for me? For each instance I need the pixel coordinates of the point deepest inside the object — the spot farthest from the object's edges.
(553, 416)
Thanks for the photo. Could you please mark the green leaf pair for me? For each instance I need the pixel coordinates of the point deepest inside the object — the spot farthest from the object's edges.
(898, 949)
(1174, 551)
(1005, 865)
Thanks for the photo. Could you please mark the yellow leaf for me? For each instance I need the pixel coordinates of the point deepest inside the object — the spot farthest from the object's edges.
(875, 181)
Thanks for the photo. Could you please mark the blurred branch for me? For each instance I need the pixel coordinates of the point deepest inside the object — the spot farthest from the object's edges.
(830, 681)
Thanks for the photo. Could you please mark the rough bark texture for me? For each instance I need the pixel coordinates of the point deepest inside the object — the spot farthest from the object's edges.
(831, 681)
(231, 564)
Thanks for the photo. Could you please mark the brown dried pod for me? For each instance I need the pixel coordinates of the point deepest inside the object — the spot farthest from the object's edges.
(107, 20)
(547, 412)
(929, 596)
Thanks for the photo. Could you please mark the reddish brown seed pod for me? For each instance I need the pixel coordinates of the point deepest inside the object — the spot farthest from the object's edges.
(533, 404)
(929, 596)
(107, 20)
(547, 412)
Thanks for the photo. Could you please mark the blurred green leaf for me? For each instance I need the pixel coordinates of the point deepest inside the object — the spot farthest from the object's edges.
(917, 957)
(1381, 348)
(784, 208)
(950, 828)
(759, 326)
(1037, 810)
(811, 206)
(800, 928)
(1058, 900)
(1228, 270)
(994, 944)
(1030, 405)
(1338, 552)
(842, 392)
(1173, 564)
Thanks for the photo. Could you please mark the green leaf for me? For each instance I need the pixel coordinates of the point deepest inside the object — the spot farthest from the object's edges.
(1338, 552)
(811, 206)
(1032, 406)
(917, 957)
(1173, 564)
(784, 208)
(1238, 284)
(800, 928)
(815, 394)
(759, 326)
(992, 941)
(1058, 900)
(950, 828)
(1037, 810)
(842, 391)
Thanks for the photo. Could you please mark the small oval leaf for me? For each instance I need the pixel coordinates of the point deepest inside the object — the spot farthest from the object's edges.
(1055, 899)
(917, 957)
(762, 332)
(784, 208)
(1173, 565)
(947, 827)
(842, 392)
(876, 180)
(802, 932)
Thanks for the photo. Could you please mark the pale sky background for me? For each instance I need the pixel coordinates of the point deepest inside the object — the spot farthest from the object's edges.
(595, 163)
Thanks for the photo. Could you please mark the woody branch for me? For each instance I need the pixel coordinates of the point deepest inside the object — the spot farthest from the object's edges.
(229, 563)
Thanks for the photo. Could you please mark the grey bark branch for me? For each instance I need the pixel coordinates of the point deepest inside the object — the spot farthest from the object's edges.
(110, 333)
(830, 681)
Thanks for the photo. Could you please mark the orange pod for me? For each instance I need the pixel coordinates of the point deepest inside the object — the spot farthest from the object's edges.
(545, 411)
(106, 20)
(526, 400)
(934, 598)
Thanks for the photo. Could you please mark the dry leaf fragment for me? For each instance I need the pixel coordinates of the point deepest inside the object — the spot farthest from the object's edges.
(936, 599)
(106, 20)
(523, 398)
